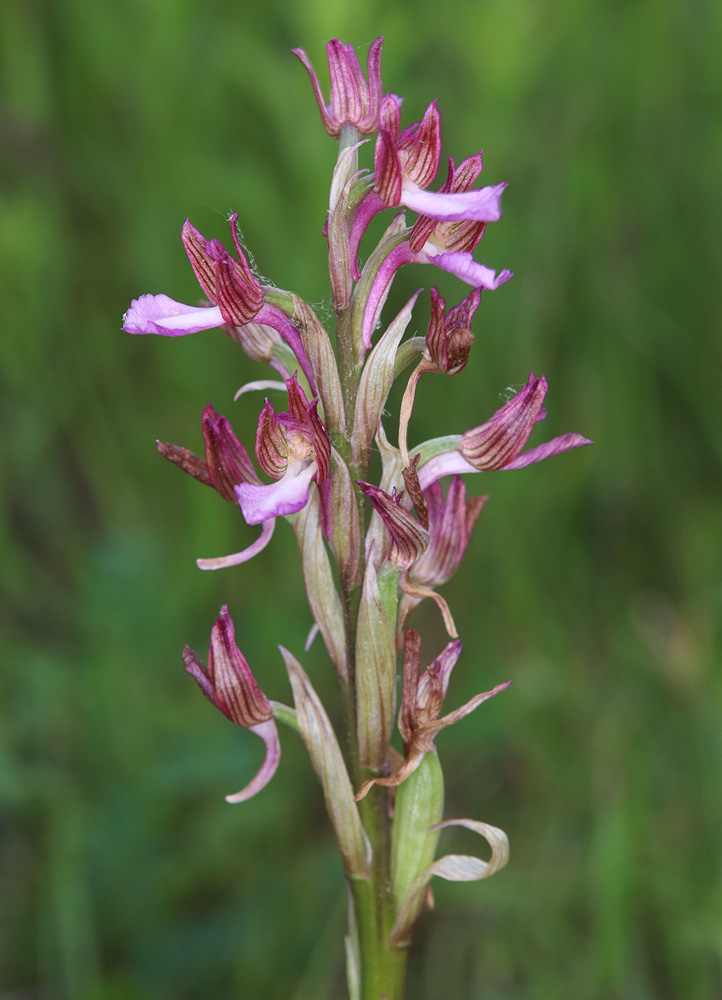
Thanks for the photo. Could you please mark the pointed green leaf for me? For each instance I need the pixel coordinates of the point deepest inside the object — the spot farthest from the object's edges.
(323, 749)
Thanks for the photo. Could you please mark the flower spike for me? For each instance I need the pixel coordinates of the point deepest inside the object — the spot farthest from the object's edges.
(322, 454)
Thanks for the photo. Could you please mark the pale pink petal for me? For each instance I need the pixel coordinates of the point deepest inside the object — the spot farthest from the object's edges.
(289, 494)
(240, 557)
(369, 207)
(268, 732)
(554, 447)
(449, 463)
(463, 265)
(479, 205)
(381, 286)
(274, 317)
(162, 315)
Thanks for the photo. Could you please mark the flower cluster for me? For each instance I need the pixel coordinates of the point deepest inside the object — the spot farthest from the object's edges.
(314, 456)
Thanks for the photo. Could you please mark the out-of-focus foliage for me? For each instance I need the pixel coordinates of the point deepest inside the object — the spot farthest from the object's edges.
(593, 579)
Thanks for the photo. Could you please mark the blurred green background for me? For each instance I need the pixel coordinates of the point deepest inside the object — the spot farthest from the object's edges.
(593, 580)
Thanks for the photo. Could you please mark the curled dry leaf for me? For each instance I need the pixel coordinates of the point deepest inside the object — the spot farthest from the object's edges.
(453, 868)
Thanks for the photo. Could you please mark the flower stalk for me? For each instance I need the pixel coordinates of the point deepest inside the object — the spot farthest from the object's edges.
(370, 551)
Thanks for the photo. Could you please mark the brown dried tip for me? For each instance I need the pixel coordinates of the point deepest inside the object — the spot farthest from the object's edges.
(185, 460)
(413, 488)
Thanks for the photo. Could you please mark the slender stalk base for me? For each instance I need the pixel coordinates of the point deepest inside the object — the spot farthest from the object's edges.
(383, 969)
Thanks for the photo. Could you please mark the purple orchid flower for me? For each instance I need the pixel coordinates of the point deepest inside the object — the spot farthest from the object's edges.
(353, 100)
(294, 449)
(234, 293)
(459, 263)
(229, 684)
(447, 242)
(448, 345)
(448, 337)
(405, 163)
(499, 443)
(226, 464)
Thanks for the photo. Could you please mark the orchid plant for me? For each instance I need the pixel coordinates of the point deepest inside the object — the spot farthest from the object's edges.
(370, 552)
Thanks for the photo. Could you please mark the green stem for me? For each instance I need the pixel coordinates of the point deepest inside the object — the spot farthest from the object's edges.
(349, 369)
(382, 969)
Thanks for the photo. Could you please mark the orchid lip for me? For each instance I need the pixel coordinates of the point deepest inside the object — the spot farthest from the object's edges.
(463, 265)
(480, 204)
(221, 562)
(268, 732)
(162, 315)
(286, 496)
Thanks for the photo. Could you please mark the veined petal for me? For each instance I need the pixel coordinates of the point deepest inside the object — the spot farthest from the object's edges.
(388, 172)
(451, 524)
(270, 315)
(463, 265)
(186, 460)
(408, 537)
(419, 147)
(381, 285)
(449, 463)
(328, 122)
(466, 709)
(554, 447)
(227, 681)
(289, 494)
(480, 205)
(227, 460)
(498, 441)
(163, 315)
(268, 732)
(195, 245)
(353, 98)
(369, 207)
(245, 554)
(448, 338)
